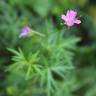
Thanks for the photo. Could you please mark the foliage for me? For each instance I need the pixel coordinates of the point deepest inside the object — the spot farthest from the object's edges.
(56, 64)
(51, 60)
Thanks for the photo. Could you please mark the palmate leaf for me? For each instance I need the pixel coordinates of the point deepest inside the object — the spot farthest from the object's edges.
(58, 61)
(29, 63)
(69, 43)
(51, 83)
(47, 80)
(47, 77)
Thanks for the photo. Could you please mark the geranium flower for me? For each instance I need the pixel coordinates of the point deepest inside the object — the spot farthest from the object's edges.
(70, 18)
(25, 31)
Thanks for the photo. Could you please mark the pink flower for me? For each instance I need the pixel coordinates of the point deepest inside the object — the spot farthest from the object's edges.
(24, 32)
(70, 18)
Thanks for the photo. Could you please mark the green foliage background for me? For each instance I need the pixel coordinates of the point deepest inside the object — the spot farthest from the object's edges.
(44, 16)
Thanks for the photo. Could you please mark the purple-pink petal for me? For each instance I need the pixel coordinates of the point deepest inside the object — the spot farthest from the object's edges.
(70, 18)
(24, 32)
(71, 14)
(77, 21)
(63, 17)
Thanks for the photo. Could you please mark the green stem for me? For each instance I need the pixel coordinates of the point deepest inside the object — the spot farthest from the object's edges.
(35, 32)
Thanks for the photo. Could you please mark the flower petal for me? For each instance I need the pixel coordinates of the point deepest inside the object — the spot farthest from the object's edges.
(77, 21)
(71, 14)
(63, 17)
(24, 32)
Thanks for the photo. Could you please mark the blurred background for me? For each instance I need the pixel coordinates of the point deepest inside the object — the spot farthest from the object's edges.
(16, 13)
